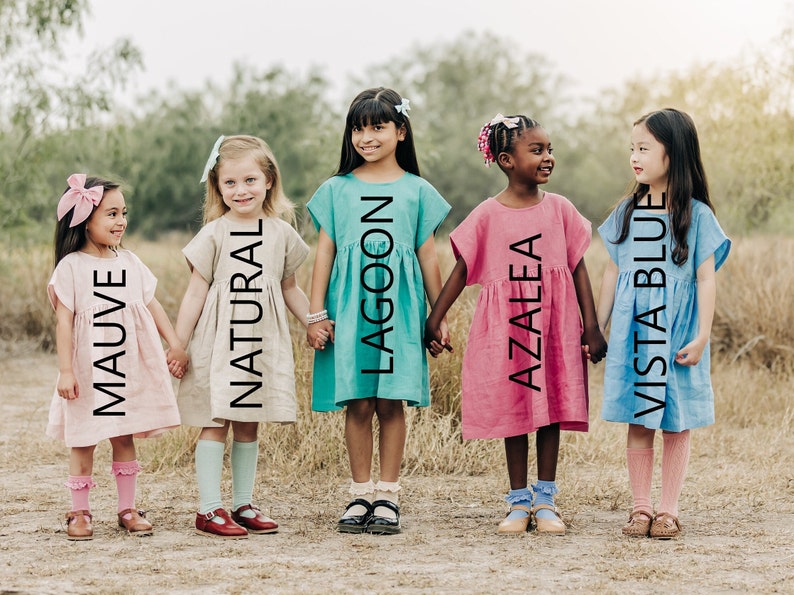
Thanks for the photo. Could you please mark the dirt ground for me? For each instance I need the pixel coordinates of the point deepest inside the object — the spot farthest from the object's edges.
(448, 545)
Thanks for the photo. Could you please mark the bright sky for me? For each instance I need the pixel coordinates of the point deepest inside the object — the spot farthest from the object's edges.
(595, 43)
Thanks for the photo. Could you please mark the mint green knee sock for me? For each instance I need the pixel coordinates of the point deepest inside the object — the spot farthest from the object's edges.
(209, 466)
(244, 457)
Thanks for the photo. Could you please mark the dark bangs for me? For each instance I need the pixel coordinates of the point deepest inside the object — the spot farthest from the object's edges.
(371, 111)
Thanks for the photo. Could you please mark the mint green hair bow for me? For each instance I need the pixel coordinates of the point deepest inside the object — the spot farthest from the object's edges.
(213, 158)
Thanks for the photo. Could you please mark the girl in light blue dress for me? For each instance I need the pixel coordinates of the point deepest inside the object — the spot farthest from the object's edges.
(375, 265)
(659, 288)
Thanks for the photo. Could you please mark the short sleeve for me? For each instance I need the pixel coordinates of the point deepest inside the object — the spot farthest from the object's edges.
(465, 244)
(432, 211)
(321, 209)
(578, 233)
(201, 251)
(295, 251)
(609, 231)
(148, 280)
(710, 239)
(61, 286)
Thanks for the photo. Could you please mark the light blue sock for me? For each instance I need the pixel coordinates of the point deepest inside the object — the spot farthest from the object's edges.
(209, 466)
(520, 496)
(544, 494)
(244, 457)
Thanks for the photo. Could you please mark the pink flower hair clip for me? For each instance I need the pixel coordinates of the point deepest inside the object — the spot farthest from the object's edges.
(484, 140)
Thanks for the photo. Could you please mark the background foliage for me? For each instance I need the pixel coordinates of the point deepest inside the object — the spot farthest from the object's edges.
(51, 127)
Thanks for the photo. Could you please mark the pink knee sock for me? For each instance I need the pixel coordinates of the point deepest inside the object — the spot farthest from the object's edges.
(126, 473)
(640, 464)
(80, 485)
(675, 458)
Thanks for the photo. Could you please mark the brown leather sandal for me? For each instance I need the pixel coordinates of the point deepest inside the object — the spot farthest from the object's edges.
(78, 525)
(665, 526)
(639, 524)
(137, 524)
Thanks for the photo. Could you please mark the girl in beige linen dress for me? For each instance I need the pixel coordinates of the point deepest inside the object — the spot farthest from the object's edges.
(243, 264)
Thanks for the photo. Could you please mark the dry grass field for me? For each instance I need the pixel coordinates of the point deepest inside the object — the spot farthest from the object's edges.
(737, 507)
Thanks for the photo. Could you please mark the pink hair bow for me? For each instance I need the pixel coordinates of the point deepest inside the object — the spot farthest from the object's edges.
(81, 198)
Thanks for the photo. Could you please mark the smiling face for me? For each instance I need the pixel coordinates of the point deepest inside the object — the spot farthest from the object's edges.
(106, 226)
(531, 156)
(375, 142)
(243, 186)
(649, 160)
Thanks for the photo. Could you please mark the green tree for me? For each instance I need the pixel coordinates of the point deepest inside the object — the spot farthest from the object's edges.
(454, 89)
(37, 98)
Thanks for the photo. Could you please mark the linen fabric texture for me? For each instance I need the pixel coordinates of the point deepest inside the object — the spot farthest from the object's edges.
(686, 399)
(409, 210)
(242, 269)
(115, 347)
(493, 405)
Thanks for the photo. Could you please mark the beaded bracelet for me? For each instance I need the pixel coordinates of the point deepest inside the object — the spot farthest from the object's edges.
(317, 317)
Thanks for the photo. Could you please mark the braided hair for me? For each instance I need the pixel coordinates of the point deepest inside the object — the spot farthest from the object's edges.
(497, 136)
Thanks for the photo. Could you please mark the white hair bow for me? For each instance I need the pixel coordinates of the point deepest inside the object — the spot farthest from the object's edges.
(402, 108)
(500, 119)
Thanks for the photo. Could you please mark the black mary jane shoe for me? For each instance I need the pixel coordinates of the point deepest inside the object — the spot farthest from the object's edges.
(356, 523)
(381, 525)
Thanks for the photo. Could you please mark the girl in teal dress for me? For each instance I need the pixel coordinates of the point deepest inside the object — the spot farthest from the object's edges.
(376, 261)
(659, 288)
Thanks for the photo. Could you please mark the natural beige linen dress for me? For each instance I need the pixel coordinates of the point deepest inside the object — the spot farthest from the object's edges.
(241, 364)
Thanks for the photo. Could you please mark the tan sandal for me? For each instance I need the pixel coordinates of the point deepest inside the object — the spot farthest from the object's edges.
(665, 526)
(548, 526)
(639, 524)
(137, 524)
(78, 525)
(515, 526)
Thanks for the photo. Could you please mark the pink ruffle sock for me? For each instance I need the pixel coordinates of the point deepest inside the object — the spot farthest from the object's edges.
(80, 485)
(126, 473)
(640, 465)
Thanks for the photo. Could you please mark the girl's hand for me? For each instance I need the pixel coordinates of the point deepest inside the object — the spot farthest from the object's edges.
(67, 386)
(178, 361)
(319, 333)
(437, 336)
(594, 346)
(691, 353)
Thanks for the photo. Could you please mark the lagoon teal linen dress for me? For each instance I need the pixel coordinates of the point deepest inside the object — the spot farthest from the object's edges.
(654, 315)
(376, 293)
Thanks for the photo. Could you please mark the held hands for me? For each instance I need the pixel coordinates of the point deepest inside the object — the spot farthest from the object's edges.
(437, 336)
(594, 346)
(691, 353)
(319, 333)
(178, 361)
(67, 386)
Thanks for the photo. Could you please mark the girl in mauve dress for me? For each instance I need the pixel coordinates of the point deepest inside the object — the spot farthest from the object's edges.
(113, 382)
(523, 370)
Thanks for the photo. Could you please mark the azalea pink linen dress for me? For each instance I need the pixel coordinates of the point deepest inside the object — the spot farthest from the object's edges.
(523, 367)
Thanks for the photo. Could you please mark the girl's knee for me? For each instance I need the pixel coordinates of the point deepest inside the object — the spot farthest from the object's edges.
(245, 431)
(388, 409)
(361, 410)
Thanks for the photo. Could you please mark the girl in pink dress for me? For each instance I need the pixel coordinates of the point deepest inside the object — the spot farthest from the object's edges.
(523, 370)
(113, 382)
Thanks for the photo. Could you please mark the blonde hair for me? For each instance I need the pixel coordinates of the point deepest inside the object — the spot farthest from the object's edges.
(239, 147)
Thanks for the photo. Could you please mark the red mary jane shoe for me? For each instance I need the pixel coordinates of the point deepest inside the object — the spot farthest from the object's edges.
(227, 530)
(256, 524)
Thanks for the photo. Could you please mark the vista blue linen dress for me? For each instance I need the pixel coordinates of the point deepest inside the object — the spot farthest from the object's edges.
(376, 293)
(655, 314)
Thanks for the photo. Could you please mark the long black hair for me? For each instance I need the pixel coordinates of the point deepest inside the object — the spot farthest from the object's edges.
(686, 178)
(377, 106)
(71, 239)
